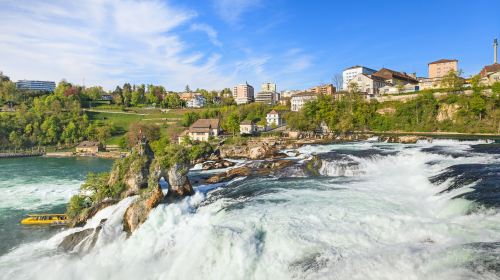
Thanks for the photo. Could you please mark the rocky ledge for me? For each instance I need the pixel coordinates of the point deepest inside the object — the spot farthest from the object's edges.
(255, 168)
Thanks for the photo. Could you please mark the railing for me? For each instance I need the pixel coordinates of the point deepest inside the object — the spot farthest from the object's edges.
(13, 153)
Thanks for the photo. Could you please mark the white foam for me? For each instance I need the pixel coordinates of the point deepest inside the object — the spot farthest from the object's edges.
(386, 223)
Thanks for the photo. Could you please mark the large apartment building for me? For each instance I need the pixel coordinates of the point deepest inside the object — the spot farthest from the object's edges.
(439, 68)
(351, 72)
(36, 85)
(327, 89)
(243, 94)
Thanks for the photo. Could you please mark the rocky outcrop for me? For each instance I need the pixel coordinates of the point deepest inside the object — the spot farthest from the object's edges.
(265, 148)
(217, 164)
(255, 168)
(88, 236)
(230, 174)
(447, 112)
(137, 213)
(179, 185)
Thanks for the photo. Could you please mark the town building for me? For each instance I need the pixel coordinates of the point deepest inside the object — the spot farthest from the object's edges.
(266, 97)
(248, 128)
(395, 78)
(89, 147)
(297, 101)
(439, 68)
(351, 72)
(197, 101)
(243, 94)
(269, 87)
(106, 97)
(204, 129)
(47, 86)
(290, 93)
(327, 89)
(274, 118)
(186, 96)
(368, 84)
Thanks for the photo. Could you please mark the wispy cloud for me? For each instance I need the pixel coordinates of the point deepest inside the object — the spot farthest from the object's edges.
(103, 42)
(209, 30)
(296, 60)
(231, 10)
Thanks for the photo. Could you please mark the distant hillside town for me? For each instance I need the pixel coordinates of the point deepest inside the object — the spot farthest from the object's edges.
(245, 110)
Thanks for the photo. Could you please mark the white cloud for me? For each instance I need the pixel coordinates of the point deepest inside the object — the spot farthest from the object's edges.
(103, 42)
(231, 10)
(209, 30)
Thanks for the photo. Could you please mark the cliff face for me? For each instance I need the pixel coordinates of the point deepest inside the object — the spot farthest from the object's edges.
(139, 174)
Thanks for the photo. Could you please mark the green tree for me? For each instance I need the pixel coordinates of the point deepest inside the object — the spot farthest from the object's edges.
(232, 123)
(189, 118)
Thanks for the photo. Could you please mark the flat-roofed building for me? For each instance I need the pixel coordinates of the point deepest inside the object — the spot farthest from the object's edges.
(243, 94)
(439, 68)
(267, 97)
(327, 89)
(268, 87)
(31, 85)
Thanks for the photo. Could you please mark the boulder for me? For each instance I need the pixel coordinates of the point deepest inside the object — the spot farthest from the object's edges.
(89, 236)
(178, 181)
(217, 164)
(261, 152)
(137, 213)
(230, 174)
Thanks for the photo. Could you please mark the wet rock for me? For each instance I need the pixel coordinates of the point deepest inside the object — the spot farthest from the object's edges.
(89, 236)
(137, 213)
(81, 219)
(217, 164)
(230, 174)
(179, 185)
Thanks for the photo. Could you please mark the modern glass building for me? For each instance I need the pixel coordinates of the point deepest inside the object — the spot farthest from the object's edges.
(36, 85)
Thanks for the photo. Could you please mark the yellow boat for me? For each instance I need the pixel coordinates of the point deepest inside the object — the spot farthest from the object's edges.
(45, 219)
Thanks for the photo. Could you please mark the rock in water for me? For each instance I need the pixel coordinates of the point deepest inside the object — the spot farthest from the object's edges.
(138, 212)
(179, 185)
(89, 236)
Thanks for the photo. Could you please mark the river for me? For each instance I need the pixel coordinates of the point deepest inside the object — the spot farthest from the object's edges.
(374, 211)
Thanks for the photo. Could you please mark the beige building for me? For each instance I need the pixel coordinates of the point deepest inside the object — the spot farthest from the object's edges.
(270, 87)
(89, 147)
(297, 101)
(439, 68)
(243, 94)
(204, 129)
(248, 128)
(368, 84)
(327, 89)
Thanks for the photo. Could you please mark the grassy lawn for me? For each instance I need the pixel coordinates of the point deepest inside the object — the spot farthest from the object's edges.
(169, 122)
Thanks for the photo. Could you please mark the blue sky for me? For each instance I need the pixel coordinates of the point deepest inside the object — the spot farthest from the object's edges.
(217, 43)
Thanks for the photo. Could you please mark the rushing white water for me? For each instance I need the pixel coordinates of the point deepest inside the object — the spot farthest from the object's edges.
(385, 222)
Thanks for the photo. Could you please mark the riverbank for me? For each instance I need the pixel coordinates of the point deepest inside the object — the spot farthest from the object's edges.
(104, 155)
